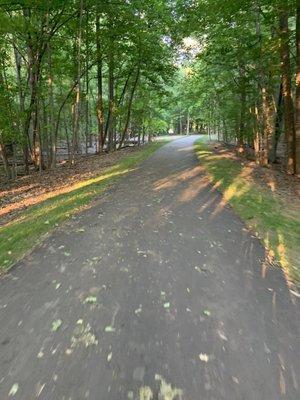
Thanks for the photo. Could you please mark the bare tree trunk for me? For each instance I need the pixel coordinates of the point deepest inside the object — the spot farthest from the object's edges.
(267, 122)
(277, 128)
(111, 90)
(52, 136)
(100, 110)
(288, 106)
(130, 106)
(87, 89)
(76, 105)
(242, 85)
(3, 155)
(188, 122)
(297, 101)
(256, 132)
(18, 61)
(265, 110)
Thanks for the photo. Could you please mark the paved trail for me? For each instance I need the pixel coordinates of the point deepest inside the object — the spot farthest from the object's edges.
(157, 292)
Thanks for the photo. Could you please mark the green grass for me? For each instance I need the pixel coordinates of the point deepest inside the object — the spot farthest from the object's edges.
(262, 210)
(22, 234)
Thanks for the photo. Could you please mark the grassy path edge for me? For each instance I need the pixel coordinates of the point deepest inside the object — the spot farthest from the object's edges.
(21, 235)
(262, 211)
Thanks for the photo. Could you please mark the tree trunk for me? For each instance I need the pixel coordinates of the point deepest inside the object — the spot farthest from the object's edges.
(288, 106)
(267, 123)
(130, 106)
(188, 123)
(111, 93)
(76, 105)
(277, 128)
(100, 110)
(52, 136)
(241, 136)
(25, 144)
(3, 155)
(297, 97)
(88, 136)
(264, 111)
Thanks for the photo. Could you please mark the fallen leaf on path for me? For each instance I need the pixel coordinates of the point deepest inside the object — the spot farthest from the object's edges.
(14, 389)
(145, 393)
(56, 325)
(109, 329)
(90, 300)
(204, 357)
(222, 336)
(138, 310)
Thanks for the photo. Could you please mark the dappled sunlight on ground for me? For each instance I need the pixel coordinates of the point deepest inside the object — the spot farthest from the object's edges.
(28, 227)
(258, 208)
(177, 178)
(55, 193)
(34, 189)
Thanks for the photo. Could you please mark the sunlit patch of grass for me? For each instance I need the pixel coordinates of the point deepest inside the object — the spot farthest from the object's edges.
(20, 235)
(261, 209)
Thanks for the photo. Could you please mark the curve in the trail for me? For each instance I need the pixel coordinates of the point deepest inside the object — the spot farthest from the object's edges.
(157, 292)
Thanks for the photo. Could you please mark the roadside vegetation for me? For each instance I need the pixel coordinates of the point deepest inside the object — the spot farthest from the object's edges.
(20, 235)
(262, 210)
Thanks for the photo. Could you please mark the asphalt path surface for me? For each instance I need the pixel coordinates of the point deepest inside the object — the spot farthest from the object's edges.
(156, 292)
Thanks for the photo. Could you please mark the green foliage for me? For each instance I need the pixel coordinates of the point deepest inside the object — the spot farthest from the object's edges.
(238, 57)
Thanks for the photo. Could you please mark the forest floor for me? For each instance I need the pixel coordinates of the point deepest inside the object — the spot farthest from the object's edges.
(25, 191)
(265, 198)
(156, 291)
(33, 205)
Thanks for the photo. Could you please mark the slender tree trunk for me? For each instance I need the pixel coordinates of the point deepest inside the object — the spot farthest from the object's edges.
(277, 128)
(87, 90)
(268, 131)
(265, 110)
(144, 132)
(4, 158)
(288, 106)
(67, 136)
(111, 93)
(100, 110)
(188, 123)
(18, 61)
(242, 121)
(130, 106)
(52, 136)
(45, 133)
(76, 105)
(297, 101)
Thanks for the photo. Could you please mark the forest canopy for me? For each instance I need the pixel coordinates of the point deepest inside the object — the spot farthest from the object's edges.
(81, 76)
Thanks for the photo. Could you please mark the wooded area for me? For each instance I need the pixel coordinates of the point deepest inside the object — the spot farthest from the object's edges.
(246, 77)
(149, 199)
(80, 75)
(84, 76)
